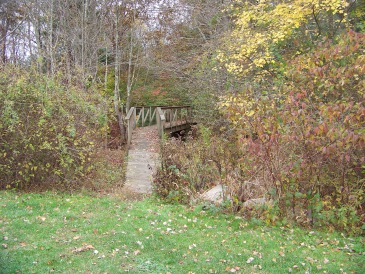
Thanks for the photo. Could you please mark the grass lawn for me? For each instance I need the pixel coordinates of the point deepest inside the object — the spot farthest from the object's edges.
(62, 233)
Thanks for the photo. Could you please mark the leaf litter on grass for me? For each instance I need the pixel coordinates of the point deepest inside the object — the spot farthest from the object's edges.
(146, 236)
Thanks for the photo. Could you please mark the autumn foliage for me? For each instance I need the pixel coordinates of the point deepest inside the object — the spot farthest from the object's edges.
(295, 137)
(307, 139)
(47, 130)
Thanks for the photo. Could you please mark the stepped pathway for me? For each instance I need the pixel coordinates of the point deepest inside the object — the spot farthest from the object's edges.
(143, 158)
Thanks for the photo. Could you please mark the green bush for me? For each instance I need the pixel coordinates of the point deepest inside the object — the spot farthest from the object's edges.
(46, 129)
(186, 170)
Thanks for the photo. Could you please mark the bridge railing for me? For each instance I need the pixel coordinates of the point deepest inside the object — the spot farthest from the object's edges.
(161, 120)
(167, 118)
(131, 123)
(176, 118)
(146, 115)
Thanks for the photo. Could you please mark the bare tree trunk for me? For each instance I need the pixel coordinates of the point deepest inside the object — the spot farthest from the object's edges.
(131, 66)
(118, 111)
(106, 88)
(83, 40)
(130, 78)
(4, 40)
(50, 46)
(30, 45)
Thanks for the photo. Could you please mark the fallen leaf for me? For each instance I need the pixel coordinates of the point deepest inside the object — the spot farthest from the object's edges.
(42, 218)
(250, 260)
(83, 248)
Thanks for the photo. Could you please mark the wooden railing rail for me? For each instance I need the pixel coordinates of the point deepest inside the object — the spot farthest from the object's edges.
(176, 118)
(161, 119)
(131, 123)
(147, 115)
(168, 119)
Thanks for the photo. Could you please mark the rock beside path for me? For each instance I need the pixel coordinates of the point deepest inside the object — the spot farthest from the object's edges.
(216, 194)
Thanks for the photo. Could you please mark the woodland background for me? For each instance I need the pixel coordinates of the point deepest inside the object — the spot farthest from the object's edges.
(278, 90)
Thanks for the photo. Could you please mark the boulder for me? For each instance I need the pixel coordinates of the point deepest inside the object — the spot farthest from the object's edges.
(255, 202)
(215, 194)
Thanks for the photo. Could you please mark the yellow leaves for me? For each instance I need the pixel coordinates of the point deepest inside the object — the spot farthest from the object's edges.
(238, 109)
(260, 26)
(250, 113)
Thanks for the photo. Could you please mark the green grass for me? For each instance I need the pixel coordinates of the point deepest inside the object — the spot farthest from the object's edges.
(61, 233)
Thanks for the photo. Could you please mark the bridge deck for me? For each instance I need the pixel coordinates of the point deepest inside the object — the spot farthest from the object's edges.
(143, 159)
(143, 142)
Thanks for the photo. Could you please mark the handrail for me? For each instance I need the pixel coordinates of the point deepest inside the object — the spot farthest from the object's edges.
(144, 116)
(161, 119)
(131, 123)
(168, 119)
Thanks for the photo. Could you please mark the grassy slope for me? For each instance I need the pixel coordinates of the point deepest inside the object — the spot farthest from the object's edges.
(42, 233)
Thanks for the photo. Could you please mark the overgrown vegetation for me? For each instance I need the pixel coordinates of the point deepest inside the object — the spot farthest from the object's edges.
(280, 103)
(307, 139)
(67, 234)
(295, 131)
(48, 130)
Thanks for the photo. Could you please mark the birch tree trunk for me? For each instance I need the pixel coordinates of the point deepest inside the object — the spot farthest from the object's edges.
(118, 111)
(130, 76)
(50, 46)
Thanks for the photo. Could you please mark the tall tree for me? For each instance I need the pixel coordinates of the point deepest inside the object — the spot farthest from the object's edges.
(11, 21)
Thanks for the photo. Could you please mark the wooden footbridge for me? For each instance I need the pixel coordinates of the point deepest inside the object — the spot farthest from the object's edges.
(169, 120)
(145, 125)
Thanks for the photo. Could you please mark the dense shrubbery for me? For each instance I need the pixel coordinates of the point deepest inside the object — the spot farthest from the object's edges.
(309, 136)
(188, 167)
(193, 166)
(304, 141)
(46, 129)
